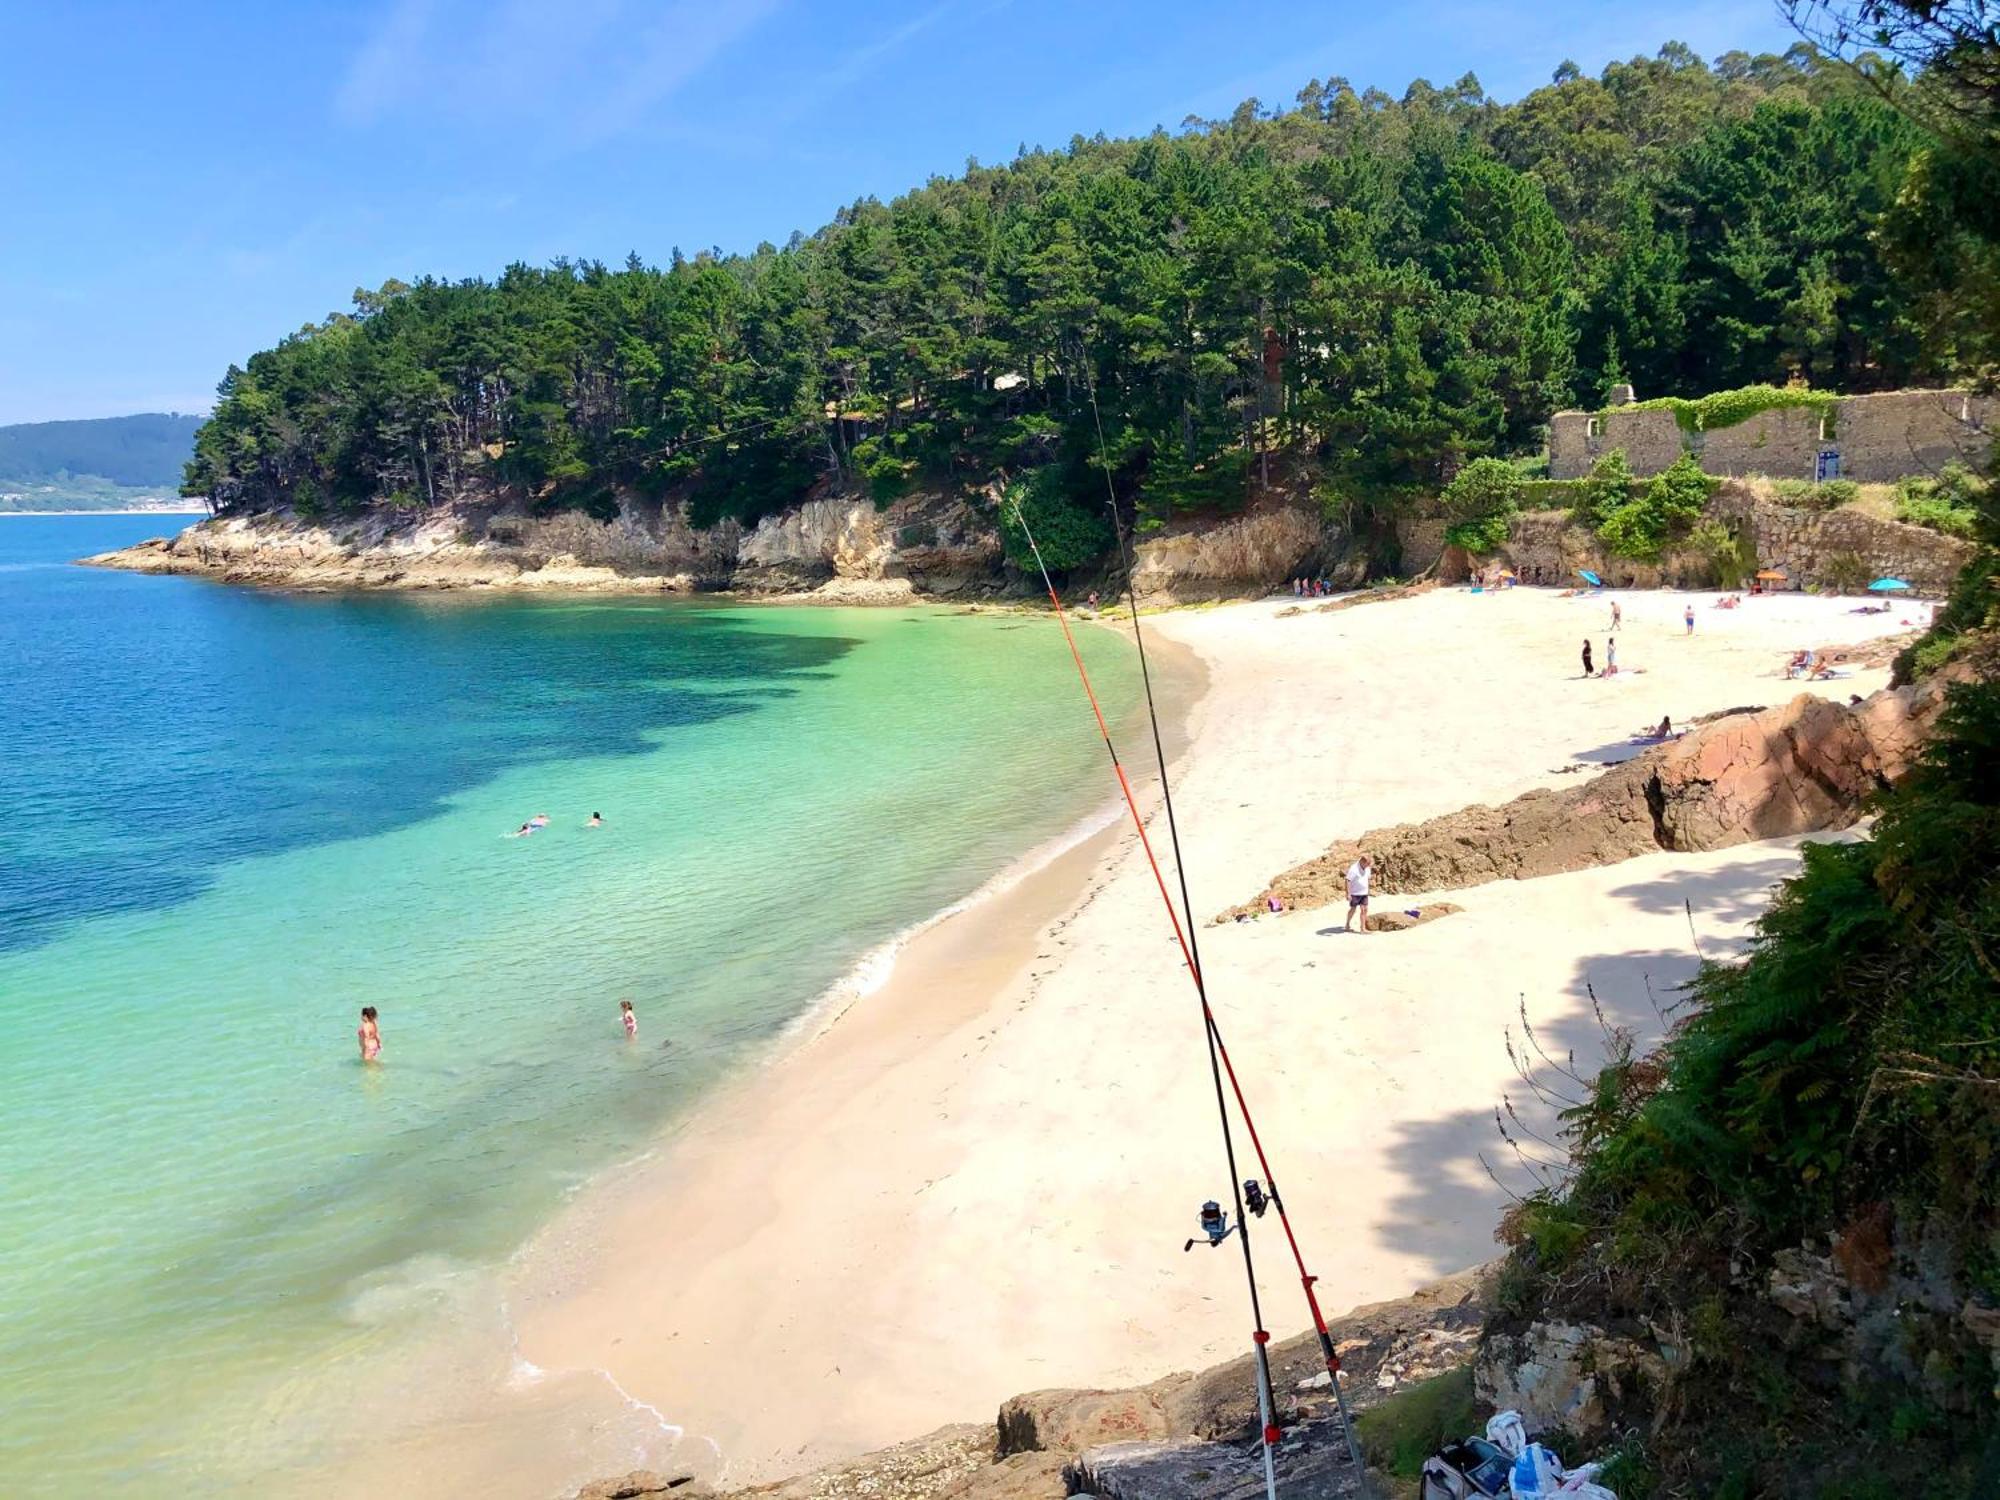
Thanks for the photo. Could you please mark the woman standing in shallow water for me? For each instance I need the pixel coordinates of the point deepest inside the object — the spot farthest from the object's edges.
(370, 1035)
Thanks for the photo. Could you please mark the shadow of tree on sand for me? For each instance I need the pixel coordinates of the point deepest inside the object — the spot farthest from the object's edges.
(1732, 894)
(1446, 1205)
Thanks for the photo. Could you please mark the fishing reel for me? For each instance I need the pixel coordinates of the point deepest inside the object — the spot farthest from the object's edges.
(1214, 1224)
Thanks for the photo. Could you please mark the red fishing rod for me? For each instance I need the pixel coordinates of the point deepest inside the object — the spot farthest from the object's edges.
(1220, 1064)
(1328, 1353)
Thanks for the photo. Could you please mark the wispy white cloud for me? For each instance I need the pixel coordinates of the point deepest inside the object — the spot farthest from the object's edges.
(578, 72)
(386, 66)
(674, 49)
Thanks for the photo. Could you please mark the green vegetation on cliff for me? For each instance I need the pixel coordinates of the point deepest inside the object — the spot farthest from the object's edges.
(1386, 288)
(1837, 1094)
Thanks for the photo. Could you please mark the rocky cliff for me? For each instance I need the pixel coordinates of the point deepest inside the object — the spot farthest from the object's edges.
(841, 548)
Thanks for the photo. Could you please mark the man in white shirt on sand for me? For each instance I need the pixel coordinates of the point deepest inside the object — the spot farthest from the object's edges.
(1358, 875)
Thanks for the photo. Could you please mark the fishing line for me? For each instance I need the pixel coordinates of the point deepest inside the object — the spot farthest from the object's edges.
(1218, 1049)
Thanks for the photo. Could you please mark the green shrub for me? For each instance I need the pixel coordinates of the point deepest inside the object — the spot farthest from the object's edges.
(1479, 502)
(1950, 503)
(887, 473)
(1608, 486)
(1731, 558)
(1937, 514)
(1069, 532)
(1664, 511)
(1974, 604)
(1803, 494)
(1487, 534)
(1484, 487)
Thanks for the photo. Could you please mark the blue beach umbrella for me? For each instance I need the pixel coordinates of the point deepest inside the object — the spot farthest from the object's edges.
(1590, 578)
(1887, 586)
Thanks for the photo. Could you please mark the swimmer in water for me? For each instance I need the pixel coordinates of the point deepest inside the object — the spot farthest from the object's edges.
(539, 820)
(596, 821)
(522, 832)
(631, 1021)
(370, 1035)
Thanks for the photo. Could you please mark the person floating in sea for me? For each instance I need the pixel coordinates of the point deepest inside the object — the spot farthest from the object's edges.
(1359, 874)
(596, 821)
(370, 1035)
(1588, 668)
(630, 1019)
(539, 820)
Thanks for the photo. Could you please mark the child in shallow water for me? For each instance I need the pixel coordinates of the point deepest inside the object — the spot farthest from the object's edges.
(631, 1020)
(370, 1035)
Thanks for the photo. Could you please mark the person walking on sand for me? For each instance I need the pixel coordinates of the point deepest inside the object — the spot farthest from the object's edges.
(1588, 669)
(370, 1035)
(631, 1021)
(1617, 616)
(1688, 615)
(1358, 875)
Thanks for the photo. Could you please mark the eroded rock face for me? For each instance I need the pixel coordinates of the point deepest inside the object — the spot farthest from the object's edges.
(1571, 1376)
(1805, 766)
(936, 544)
(1255, 550)
(1065, 1421)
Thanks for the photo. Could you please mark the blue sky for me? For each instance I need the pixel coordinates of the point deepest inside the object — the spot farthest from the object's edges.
(181, 185)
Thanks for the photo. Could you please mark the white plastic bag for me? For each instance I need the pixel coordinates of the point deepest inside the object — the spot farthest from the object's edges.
(1537, 1472)
(1507, 1432)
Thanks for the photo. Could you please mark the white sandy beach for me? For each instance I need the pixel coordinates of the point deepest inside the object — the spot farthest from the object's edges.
(978, 1180)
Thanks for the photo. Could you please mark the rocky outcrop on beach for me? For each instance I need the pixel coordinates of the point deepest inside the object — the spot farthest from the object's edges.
(832, 549)
(1196, 560)
(1806, 766)
(1184, 1435)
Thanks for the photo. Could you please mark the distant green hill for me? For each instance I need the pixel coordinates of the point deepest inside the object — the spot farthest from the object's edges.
(100, 463)
(146, 450)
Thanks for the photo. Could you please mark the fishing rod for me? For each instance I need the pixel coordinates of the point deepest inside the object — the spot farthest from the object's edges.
(1213, 1225)
(1218, 1049)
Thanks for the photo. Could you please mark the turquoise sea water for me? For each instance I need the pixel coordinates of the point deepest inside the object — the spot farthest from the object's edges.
(231, 818)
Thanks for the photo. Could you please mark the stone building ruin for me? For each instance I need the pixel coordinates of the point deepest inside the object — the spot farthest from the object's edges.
(1879, 438)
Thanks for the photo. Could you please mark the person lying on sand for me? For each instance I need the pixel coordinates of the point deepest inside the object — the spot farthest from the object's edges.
(1664, 730)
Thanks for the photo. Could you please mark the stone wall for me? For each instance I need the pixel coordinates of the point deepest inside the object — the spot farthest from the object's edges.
(1879, 438)
(1823, 549)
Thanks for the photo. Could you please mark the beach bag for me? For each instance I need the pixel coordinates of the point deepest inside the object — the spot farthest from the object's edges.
(1464, 1471)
